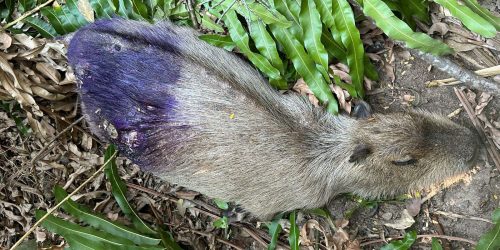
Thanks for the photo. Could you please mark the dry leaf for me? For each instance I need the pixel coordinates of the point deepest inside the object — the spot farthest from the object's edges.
(49, 71)
(86, 9)
(5, 41)
(354, 245)
(404, 222)
(302, 88)
(484, 99)
(28, 41)
(342, 95)
(439, 27)
(186, 194)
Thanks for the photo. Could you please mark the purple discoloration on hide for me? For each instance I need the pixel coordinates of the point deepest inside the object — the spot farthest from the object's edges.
(127, 78)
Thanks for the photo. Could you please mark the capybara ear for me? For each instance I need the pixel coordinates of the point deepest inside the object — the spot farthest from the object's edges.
(360, 152)
(362, 110)
(126, 87)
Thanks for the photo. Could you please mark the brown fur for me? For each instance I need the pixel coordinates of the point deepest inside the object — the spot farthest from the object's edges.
(241, 140)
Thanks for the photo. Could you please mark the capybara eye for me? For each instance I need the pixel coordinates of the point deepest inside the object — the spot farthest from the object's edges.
(407, 160)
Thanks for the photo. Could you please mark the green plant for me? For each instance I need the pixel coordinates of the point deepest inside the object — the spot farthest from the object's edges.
(402, 244)
(13, 110)
(223, 222)
(284, 39)
(491, 239)
(100, 232)
(274, 228)
(294, 235)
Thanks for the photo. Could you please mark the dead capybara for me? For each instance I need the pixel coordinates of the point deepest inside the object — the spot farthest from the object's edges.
(203, 118)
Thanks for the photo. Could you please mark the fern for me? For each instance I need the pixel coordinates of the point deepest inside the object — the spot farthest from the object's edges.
(323, 29)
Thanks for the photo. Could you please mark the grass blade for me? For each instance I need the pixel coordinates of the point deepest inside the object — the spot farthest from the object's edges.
(103, 8)
(208, 23)
(402, 244)
(220, 41)
(325, 9)
(126, 9)
(305, 66)
(399, 30)
(291, 11)
(168, 240)
(25, 5)
(11, 4)
(81, 243)
(293, 238)
(483, 12)
(370, 70)
(241, 39)
(268, 16)
(119, 189)
(265, 44)
(436, 245)
(411, 9)
(71, 9)
(49, 13)
(69, 22)
(65, 228)
(274, 228)
(44, 28)
(344, 21)
(471, 20)
(310, 20)
(335, 49)
(100, 222)
(491, 240)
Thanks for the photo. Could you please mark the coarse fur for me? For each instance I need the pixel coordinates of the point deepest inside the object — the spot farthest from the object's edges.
(201, 117)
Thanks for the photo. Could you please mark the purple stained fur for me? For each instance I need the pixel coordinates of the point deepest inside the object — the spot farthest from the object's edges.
(125, 82)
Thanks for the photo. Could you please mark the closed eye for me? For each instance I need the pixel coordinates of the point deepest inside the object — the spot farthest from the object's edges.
(404, 162)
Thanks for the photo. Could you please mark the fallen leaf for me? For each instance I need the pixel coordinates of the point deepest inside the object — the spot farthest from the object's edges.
(439, 27)
(484, 99)
(404, 222)
(302, 88)
(5, 41)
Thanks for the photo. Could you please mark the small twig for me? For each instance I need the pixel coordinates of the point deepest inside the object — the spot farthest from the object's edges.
(216, 5)
(495, 70)
(440, 230)
(419, 236)
(50, 211)
(192, 15)
(495, 156)
(26, 14)
(466, 76)
(453, 215)
(254, 235)
(217, 239)
(58, 117)
(211, 211)
(45, 147)
(225, 11)
(55, 138)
